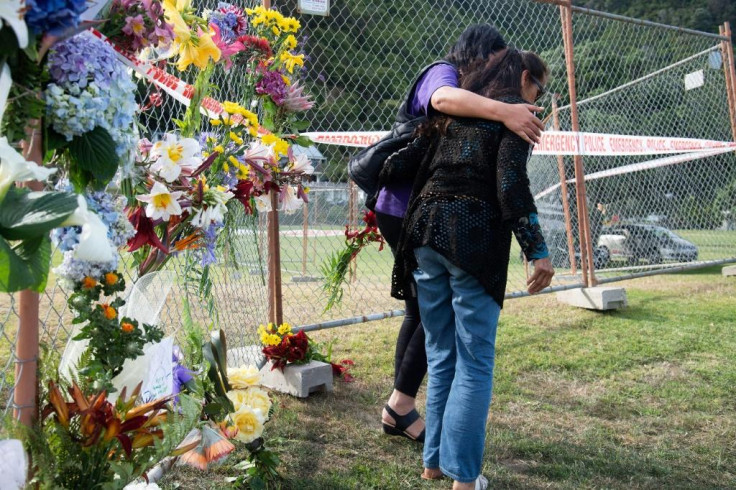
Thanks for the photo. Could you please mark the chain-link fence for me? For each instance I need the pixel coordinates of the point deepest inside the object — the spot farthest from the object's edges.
(360, 61)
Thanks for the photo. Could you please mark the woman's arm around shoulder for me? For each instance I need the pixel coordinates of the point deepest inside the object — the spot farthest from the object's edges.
(519, 118)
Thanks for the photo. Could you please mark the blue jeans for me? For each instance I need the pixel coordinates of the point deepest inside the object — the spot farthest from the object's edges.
(460, 320)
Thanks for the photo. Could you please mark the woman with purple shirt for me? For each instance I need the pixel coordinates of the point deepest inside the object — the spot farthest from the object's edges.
(437, 91)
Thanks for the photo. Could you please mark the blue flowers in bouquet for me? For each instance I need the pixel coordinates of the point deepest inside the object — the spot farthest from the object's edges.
(90, 88)
(109, 208)
(53, 16)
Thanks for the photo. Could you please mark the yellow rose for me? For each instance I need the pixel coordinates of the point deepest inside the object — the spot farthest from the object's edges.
(254, 398)
(249, 423)
(243, 377)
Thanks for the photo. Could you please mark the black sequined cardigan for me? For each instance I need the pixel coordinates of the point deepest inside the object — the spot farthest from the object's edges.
(470, 192)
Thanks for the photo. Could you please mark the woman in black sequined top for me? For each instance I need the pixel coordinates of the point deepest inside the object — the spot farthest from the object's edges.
(470, 193)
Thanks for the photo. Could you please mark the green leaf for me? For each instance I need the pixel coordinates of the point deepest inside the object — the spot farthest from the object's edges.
(53, 140)
(219, 349)
(303, 141)
(26, 265)
(94, 153)
(26, 215)
(269, 113)
(300, 125)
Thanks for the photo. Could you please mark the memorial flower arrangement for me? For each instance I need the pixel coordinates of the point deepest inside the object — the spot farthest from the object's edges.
(68, 88)
(336, 266)
(281, 346)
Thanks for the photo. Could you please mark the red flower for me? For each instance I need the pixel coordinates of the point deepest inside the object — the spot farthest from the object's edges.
(243, 192)
(256, 43)
(342, 369)
(144, 232)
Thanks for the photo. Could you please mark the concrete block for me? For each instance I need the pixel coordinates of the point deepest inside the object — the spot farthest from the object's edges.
(596, 298)
(298, 379)
(729, 271)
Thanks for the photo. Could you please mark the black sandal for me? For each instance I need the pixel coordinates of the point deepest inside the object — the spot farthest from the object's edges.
(402, 423)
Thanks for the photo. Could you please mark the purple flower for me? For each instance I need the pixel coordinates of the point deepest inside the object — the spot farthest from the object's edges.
(134, 26)
(83, 59)
(210, 243)
(53, 16)
(272, 84)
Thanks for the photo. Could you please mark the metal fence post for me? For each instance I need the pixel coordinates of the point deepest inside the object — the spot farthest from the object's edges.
(586, 248)
(563, 190)
(728, 68)
(275, 297)
(25, 394)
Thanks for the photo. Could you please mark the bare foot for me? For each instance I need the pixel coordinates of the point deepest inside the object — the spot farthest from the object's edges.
(432, 474)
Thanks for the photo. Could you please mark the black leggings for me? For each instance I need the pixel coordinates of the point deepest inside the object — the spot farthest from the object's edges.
(410, 361)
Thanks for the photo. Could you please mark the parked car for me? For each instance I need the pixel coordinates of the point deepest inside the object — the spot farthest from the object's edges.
(655, 244)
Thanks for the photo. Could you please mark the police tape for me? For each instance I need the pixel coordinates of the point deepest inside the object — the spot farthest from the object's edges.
(552, 142)
(641, 166)
(172, 85)
(561, 143)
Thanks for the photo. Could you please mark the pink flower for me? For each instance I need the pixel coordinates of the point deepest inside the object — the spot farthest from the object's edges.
(295, 100)
(226, 50)
(134, 26)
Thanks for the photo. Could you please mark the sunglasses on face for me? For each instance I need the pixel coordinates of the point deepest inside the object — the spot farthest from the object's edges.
(541, 89)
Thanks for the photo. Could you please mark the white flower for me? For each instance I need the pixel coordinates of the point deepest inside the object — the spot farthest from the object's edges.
(162, 203)
(289, 200)
(243, 377)
(259, 153)
(12, 12)
(251, 397)
(249, 422)
(216, 199)
(173, 155)
(5, 82)
(93, 245)
(263, 203)
(15, 168)
(302, 164)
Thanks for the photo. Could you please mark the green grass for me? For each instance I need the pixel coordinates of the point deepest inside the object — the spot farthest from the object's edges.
(637, 398)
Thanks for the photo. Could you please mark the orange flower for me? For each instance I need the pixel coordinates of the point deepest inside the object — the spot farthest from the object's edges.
(111, 278)
(127, 327)
(109, 311)
(88, 283)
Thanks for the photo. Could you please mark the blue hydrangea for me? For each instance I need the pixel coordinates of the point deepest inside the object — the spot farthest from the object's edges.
(53, 16)
(110, 209)
(91, 88)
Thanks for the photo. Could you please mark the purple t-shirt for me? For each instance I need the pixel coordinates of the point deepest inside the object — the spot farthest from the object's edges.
(393, 199)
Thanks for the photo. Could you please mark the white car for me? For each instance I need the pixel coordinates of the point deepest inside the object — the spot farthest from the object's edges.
(655, 244)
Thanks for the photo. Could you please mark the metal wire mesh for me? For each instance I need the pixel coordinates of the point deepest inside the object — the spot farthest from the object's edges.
(360, 61)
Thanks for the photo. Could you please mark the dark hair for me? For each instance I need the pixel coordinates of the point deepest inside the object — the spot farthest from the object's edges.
(501, 75)
(474, 46)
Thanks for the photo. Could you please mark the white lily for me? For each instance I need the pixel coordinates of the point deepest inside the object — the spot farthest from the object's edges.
(217, 199)
(162, 203)
(302, 164)
(174, 155)
(263, 203)
(289, 200)
(259, 152)
(5, 82)
(94, 245)
(15, 168)
(11, 12)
